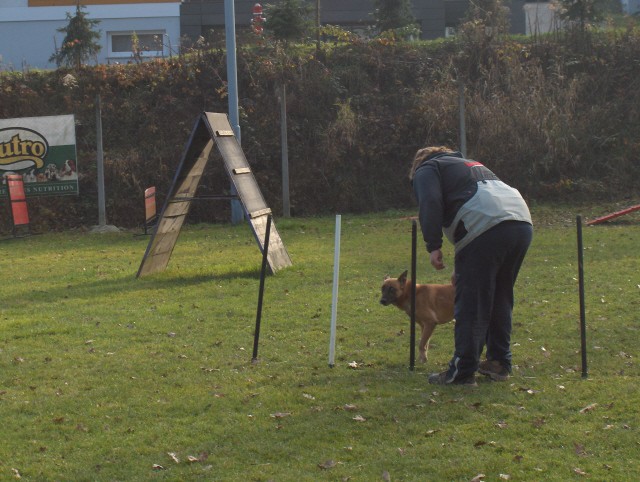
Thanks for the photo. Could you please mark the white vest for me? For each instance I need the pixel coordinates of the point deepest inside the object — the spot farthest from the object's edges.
(493, 203)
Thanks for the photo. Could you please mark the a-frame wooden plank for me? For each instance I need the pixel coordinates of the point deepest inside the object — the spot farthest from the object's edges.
(210, 129)
(256, 209)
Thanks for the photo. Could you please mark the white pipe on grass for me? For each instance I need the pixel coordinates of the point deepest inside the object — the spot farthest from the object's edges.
(334, 301)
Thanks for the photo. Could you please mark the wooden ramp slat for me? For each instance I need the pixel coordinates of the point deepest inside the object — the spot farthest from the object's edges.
(211, 128)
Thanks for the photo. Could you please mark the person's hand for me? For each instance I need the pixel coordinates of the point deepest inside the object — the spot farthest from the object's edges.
(436, 259)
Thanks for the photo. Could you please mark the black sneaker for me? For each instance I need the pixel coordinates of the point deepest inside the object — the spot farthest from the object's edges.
(494, 370)
(443, 379)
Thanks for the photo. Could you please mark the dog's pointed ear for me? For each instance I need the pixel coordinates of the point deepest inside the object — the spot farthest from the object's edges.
(403, 277)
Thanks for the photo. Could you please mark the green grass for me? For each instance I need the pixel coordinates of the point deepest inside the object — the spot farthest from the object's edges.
(103, 375)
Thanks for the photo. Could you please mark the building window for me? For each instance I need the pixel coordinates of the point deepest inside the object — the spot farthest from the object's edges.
(150, 43)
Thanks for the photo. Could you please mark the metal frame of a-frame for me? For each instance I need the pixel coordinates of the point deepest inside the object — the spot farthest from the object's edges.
(211, 128)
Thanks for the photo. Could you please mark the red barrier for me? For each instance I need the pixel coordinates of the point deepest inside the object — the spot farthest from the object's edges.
(614, 215)
(18, 200)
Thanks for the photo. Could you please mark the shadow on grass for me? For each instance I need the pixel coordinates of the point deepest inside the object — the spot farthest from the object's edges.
(128, 284)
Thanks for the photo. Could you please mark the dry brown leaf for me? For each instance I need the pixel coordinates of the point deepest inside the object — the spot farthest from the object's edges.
(580, 450)
(157, 467)
(353, 365)
(280, 414)
(504, 477)
(359, 418)
(173, 457)
(16, 473)
(201, 458)
(589, 408)
(579, 471)
(350, 407)
(539, 422)
(478, 478)
(327, 464)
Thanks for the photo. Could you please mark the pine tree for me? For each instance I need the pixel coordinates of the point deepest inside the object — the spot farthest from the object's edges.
(393, 14)
(288, 20)
(80, 41)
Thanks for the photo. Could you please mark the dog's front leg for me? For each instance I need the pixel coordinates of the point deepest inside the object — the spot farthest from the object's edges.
(427, 330)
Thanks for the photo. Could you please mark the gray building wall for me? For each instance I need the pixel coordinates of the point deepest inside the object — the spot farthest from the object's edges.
(197, 17)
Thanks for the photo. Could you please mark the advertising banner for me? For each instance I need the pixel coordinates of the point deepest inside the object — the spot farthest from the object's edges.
(43, 151)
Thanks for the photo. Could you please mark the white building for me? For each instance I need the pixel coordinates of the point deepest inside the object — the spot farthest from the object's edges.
(29, 29)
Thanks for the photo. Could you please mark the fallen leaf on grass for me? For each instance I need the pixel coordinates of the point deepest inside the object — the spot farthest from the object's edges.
(173, 457)
(579, 471)
(530, 391)
(328, 464)
(201, 458)
(157, 467)
(589, 408)
(359, 418)
(280, 414)
(504, 477)
(478, 478)
(580, 450)
(16, 473)
(353, 365)
(539, 422)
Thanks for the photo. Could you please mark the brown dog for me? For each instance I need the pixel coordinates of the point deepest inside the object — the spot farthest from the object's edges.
(434, 305)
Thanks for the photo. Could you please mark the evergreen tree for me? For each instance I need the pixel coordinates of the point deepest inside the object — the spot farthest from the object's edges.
(289, 20)
(80, 41)
(393, 14)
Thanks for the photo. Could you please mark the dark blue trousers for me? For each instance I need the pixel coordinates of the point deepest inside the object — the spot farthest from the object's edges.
(486, 271)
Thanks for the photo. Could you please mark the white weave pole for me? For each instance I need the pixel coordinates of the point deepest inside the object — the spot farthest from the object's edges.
(334, 300)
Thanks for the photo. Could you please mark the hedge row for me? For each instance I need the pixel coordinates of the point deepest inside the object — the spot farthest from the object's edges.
(551, 118)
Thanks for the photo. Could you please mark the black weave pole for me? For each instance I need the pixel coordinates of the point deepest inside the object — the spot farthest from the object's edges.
(412, 350)
(583, 323)
(263, 272)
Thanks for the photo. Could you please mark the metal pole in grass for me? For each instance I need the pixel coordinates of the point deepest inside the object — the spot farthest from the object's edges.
(583, 325)
(412, 349)
(263, 271)
(334, 297)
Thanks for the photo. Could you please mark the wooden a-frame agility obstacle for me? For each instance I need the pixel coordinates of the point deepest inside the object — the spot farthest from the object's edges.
(211, 128)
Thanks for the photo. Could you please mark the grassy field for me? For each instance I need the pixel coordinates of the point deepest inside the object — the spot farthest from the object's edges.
(107, 377)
